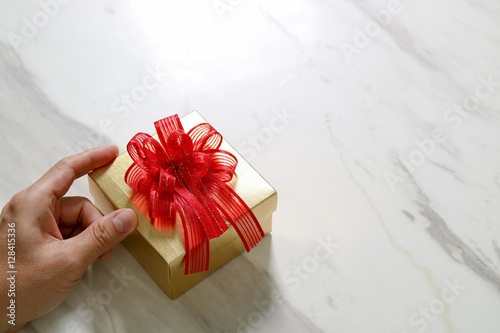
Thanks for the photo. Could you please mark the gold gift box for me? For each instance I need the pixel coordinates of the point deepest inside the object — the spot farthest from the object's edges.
(161, 254)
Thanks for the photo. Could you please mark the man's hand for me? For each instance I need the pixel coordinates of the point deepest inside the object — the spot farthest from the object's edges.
(56, 237)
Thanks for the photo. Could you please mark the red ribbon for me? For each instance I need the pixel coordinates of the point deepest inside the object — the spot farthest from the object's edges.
(188, 174)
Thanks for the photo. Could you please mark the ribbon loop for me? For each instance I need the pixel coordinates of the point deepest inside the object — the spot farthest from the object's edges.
(187, 174)
(206, 137)
(179, 144)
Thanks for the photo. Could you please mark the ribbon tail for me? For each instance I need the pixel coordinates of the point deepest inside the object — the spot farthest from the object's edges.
(195, 240)
(212, 221)
(237, 212)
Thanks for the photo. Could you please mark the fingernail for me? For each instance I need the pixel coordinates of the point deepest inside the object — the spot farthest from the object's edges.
(125, 220)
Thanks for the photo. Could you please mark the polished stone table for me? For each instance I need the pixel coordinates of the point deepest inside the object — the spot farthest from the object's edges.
(377, 122)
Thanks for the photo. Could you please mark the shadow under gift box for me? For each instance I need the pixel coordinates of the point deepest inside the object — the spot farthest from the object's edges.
(161, 254)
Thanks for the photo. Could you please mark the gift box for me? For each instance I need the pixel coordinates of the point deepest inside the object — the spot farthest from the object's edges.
(162, 252)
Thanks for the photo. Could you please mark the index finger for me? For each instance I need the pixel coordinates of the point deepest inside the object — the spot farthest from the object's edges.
(59, 178)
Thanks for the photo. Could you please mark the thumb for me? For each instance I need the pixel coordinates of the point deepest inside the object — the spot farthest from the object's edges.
(103, 234)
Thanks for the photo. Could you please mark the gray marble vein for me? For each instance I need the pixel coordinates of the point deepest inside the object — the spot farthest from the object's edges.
(440, 231)
(451, 243)
(25, 112)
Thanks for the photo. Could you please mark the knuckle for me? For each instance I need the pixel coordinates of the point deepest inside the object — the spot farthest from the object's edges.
(18, 199)
(64, 162)
(86, 201)
(61, 165)
(102, 235)
(16, 203)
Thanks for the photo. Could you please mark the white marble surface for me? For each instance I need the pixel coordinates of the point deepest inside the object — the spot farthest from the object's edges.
(357, 105)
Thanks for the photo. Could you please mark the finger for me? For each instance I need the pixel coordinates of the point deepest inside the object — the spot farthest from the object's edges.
(77, 213)
(106, 255)
(101, 236)
(59, 178)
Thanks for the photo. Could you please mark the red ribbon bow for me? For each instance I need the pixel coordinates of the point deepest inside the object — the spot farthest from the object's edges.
(187, 174)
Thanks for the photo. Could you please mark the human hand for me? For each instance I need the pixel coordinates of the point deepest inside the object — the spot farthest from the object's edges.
(56, 237)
